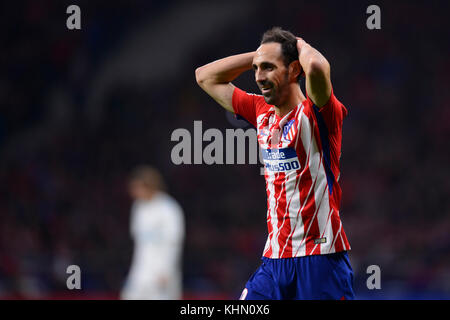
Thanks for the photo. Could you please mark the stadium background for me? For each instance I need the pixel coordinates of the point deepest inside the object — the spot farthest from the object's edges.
(80, 108)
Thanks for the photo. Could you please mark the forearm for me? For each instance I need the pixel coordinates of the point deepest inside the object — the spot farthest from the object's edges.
(317, 73)
(224, 70)
(311, 60)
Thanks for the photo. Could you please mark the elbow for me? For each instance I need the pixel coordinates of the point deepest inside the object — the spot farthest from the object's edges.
(199, 77)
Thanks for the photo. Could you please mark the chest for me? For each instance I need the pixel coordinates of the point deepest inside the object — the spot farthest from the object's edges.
(286, 143)
(147, 220)
(279, 133)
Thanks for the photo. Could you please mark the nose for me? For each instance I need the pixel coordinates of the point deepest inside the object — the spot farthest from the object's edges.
(260, 76)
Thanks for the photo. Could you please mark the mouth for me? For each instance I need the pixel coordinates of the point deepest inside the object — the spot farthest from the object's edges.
(266, 90)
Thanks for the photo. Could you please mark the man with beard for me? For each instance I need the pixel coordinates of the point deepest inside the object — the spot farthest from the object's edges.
(305, 256)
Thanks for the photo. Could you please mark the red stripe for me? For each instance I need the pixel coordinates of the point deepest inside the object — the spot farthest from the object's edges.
(344, 237)
(335, 199)
(272, 132)
(284, 224)
(314, 233)
(326, 223)
(278, 191)
(309, 203)
(318, 247)
(335, 223)
(268, 253)
(301, 154)
(306, 182)
(287, 250)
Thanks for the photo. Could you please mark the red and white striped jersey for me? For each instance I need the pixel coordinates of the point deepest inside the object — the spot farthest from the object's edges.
(301, 153)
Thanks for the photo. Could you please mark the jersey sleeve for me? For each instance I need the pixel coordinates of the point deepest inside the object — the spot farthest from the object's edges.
(333, 113)
(244, 105)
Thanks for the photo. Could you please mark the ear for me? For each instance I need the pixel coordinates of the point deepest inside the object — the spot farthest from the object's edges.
(295, 69)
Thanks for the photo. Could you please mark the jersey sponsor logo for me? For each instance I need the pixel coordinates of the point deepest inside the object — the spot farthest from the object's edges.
(280, 160)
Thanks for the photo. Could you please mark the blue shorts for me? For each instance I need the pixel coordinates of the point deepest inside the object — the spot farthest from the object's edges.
(316, 277)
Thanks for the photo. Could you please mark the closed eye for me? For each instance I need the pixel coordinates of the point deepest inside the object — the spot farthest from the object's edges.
(266, 66)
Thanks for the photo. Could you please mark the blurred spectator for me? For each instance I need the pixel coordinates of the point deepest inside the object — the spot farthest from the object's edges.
(157, 228)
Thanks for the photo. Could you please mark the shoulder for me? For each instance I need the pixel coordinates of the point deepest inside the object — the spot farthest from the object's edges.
(258, 100)
(333, 111)
(169, 202)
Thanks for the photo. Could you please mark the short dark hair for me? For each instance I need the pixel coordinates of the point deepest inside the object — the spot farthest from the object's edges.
(149, 176)
(287, 40)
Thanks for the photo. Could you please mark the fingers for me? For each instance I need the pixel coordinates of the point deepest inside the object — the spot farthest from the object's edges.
(300, 43)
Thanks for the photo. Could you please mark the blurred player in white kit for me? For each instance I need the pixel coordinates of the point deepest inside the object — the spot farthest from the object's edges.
(157, 228)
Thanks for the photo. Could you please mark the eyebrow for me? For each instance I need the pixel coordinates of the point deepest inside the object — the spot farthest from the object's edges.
(264, 64)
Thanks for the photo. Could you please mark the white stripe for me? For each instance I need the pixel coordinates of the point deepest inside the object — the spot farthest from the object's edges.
(270, 199)
(331, 249)
(297, 222)
(343, 244)
(275, 244)
(326, 234)
(293, 206)
(299, 130)
(324, 203)
(290, 186)
(272, 208)
(318, 174)
(313, 163)
(290, 192)
(305, 236)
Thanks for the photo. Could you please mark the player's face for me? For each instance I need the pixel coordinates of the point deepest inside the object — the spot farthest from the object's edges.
(271, 74)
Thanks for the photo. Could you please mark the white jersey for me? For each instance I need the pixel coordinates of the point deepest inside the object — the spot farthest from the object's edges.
(157, 228)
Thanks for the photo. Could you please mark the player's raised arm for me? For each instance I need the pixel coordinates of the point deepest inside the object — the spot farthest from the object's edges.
(317, 73)
(215, 77)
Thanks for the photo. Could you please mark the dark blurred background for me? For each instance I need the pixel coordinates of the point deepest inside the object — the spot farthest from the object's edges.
(80, 108)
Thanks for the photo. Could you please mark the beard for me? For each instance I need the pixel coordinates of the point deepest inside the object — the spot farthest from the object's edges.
(271, 97)
(274, 95)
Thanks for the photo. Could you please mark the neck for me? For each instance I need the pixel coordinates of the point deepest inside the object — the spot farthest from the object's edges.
(294, 98)
(149, 195)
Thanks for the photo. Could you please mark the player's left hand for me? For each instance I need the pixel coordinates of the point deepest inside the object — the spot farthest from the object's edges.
(300, 44)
